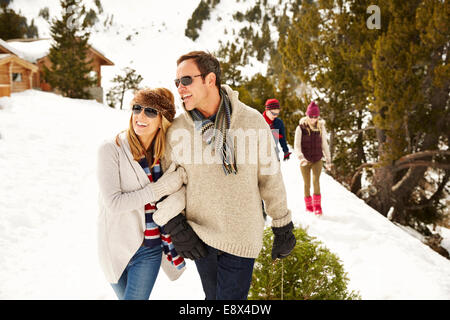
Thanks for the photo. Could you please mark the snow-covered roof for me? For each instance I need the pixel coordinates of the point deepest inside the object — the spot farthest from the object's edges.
(34, 49)
(7, 57)
(31, 51)
(4, 55)
(9, 48)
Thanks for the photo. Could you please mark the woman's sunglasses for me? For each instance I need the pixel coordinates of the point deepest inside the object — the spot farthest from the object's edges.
(186, 80)
(149, 112)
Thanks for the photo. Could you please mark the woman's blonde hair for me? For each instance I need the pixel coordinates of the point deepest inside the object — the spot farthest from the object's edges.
(307, 125)
(159, 141)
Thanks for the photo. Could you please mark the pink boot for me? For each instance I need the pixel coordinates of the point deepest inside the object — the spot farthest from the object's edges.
(309, 204)
(316, 203)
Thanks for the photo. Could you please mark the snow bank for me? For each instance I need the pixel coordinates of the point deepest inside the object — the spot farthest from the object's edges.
(48, 203)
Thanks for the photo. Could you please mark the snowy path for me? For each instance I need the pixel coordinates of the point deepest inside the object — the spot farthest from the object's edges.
(48, 207)
(382, 260)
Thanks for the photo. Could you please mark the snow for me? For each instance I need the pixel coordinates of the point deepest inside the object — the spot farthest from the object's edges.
(382, 260)
(48, 190)
(445, 233)
(49, 199)
(49, 209)
(5, 45)
(5, 55)
(32, 51)
(157, 36)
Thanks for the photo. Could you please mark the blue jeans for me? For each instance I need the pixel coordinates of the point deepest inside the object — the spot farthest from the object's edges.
(225, 276)
(138, 278)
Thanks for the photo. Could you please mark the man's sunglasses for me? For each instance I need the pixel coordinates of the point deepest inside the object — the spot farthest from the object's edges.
(186, 80)
(313, 117)
(149, 112)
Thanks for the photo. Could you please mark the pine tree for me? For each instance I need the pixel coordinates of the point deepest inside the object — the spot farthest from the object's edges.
(394, 80)
(129, 81)
(231, 59)
(13, 25)
(195, 23)
(323, 48)
(45, 14)
(384, 94)
(70, 67)
(411, 85)
(255, 91)
(310, 272)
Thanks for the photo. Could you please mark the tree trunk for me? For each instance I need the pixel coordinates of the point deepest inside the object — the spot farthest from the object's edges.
(383, 180)
(361, 157)
(121, 96)
(382, 199)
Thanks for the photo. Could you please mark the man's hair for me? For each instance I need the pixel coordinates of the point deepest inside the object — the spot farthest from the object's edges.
(205, 62)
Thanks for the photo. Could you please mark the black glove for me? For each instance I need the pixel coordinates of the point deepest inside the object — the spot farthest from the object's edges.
(284, 241)
(184, 239)
(287, 155)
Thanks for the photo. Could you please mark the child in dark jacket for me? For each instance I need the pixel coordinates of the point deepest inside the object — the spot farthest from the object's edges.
(276, 124)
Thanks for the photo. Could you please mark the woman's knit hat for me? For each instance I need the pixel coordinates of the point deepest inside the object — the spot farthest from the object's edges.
(272, 104)
(149, 98)
(313, 110)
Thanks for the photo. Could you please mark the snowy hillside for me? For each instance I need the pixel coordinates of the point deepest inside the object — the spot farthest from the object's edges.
(48, 191)
(48, 205)
(156, 31)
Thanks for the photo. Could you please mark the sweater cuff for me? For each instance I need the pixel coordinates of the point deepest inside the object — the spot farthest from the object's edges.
(158, 190)
(161, 219)
(281, 222)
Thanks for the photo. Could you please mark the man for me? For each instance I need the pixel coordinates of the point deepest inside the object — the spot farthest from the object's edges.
(276, 124)
(222, 228)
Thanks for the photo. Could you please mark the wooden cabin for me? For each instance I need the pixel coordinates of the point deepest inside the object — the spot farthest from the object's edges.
(16, 74)
(35, 52)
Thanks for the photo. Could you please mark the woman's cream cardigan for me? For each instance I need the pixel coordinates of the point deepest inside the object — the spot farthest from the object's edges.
(124, 189)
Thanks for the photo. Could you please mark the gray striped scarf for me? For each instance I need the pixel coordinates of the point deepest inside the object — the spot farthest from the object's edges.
(216, 132)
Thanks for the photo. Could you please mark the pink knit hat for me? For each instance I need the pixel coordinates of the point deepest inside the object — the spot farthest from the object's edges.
(313, 110)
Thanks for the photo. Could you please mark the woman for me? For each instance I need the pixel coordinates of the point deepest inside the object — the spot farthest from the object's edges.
(131, 242)
(310, 146)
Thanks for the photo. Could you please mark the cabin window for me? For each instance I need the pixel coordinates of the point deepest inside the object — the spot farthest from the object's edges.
(17, 77)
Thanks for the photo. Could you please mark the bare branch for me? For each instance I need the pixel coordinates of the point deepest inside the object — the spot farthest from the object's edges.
(359, 169)
(421, 154)
(430, 164)
(429, 202)
(408, 161)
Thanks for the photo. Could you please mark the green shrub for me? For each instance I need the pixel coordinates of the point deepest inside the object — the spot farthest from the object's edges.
(310, 272)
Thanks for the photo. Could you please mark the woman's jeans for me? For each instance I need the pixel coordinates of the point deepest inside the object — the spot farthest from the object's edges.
(316, 169)
(225, 276)
(138, 278)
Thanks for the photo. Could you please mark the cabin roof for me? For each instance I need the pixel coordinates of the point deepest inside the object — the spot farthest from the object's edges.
(33, 50)
(8, 57)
